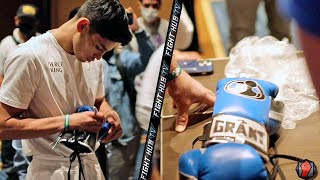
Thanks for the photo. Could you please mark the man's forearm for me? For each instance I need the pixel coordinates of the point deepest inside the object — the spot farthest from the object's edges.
(15, 128)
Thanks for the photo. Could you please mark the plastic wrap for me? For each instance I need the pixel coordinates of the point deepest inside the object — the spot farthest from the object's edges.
(276, 61)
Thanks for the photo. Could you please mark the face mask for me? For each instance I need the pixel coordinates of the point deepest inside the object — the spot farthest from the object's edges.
(149, 14)
(27, 29)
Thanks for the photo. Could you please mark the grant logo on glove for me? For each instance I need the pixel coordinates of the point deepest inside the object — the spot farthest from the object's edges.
(241, 112)
(229, 128)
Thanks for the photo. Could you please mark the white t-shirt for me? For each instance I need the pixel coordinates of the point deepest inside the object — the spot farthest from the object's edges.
(7, 46)
(41, 77)
(145, 93)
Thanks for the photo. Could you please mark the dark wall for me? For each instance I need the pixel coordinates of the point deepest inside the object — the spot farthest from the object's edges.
(9, 8)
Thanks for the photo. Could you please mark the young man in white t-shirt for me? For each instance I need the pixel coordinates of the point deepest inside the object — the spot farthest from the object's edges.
(49, 77)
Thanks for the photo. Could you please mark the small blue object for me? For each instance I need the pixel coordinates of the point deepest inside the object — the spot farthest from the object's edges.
(86, 108)
(104, 130)
(105, 126)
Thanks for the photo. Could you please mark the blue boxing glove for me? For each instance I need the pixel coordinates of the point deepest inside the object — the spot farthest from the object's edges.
(223, 162)
(236, 141)
(241, 112)
(189, 164)
(244, 97)
(232, 161)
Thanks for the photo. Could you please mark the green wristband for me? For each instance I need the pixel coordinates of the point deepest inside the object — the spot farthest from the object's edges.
(175, 73)
(66, 122)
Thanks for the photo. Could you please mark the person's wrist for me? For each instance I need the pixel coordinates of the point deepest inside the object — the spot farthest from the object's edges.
(67, 122)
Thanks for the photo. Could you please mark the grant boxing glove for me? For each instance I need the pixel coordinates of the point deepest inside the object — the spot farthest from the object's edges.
(241, 112)
(231, 161)
(244, 97)
(254, 90)
(189, 164)
(222, 161)
(236, 140)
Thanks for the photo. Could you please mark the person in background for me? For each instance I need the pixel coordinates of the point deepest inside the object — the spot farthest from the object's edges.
(242, 15)
(26, 22)
(156, 27)
(119, 72)
(146, 90)
(151, 22)
(184, 90)
(306, 14)
(194, 46)
(49, 77)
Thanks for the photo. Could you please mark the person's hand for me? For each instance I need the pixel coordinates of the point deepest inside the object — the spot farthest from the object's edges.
(134, 26)
(185, 91)
(115, 131)
(87, 121)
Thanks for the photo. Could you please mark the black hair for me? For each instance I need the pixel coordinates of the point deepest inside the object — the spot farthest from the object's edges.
(107, 18)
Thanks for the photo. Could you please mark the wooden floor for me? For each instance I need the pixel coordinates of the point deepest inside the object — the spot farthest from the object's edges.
(303, 141)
